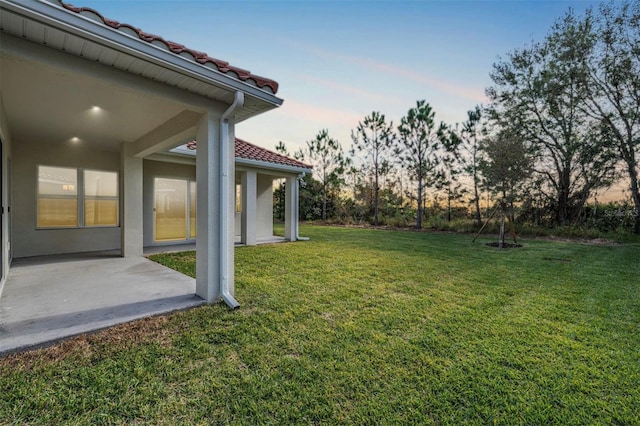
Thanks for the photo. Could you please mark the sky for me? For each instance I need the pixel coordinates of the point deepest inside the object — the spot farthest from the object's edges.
(337, 61)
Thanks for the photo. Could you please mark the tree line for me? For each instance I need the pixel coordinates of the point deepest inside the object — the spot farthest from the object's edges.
(562, 123)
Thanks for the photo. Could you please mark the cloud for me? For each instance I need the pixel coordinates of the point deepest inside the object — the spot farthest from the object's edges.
(351, 90)
(447, 87)
(444, 86)
(319, 114)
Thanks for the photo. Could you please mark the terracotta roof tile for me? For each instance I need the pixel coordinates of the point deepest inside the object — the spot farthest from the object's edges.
(178, 49)
(249, 151)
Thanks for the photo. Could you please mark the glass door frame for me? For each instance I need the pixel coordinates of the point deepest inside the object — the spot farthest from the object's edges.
(190, 207)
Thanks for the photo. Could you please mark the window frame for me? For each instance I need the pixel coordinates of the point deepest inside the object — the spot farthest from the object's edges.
(80, 198)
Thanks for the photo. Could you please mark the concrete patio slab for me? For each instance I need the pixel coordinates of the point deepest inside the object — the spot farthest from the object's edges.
(50, 298)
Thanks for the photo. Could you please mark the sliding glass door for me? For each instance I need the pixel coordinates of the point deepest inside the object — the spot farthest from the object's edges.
(174, 209)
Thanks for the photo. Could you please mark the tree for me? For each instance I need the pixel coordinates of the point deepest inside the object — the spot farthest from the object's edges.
(419, 149)
(373, 138)
(507, 165)
(454, 191)
(282, 149)
(327, 157)
(539, 93)
(280, 191)
(469, 154)
(451, 167)
(613, 87)
(310, 200)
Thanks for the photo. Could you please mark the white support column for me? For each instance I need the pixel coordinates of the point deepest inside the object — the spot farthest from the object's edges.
(291, 209)
(131, 218)
(209, 203)
(249, 198)
(230, 235)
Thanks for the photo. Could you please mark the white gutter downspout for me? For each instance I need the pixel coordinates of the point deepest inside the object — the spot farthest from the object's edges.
(297, 211)
(238, 101)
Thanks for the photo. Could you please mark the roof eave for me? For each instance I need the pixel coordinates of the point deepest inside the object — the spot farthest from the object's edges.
(57, 17)
(189, 158)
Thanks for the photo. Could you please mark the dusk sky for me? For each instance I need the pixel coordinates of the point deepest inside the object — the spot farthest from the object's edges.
(337, 61)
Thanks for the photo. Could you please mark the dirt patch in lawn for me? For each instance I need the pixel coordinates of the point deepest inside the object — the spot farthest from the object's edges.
(147, 330)
(505, 245)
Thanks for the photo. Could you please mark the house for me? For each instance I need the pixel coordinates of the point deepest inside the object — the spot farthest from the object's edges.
(91, 111)
(256, 169)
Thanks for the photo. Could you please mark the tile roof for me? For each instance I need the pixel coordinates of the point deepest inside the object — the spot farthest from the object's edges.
(179, 49)
(249, 151)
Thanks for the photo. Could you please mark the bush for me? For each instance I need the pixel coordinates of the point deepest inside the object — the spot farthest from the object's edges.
(615, 216)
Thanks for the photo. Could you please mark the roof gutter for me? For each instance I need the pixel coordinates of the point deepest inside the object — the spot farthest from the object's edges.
(272, 166)
(224, 242)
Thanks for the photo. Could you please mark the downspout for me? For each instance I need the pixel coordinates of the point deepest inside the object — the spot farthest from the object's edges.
(238, 101)
(297, 211)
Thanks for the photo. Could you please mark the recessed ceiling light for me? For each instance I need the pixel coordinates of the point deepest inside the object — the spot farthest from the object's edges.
(75, 139)
(96, 108)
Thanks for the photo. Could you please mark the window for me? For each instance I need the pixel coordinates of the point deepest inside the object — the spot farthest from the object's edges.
(100, 198)
(76, 198)
(57, 197)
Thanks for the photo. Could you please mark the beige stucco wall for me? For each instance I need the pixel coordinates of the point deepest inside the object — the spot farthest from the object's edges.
(29, 241)
(159, 169)
(264, 206)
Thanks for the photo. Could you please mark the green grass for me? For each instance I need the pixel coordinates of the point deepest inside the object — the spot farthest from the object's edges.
(361, 326)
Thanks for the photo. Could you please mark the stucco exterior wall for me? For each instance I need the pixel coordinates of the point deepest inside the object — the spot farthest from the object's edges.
(264, 206)
(29, 241)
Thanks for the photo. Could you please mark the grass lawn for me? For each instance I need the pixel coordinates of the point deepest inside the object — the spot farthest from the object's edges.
(364, 326)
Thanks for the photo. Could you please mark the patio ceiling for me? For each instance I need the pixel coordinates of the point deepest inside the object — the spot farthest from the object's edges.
(68, 77)
(47, 104)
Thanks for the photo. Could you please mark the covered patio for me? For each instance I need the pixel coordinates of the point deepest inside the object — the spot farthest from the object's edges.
(48, 298)
(85, 102)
